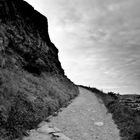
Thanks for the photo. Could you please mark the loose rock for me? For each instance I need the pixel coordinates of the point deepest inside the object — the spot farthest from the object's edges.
(99, 123)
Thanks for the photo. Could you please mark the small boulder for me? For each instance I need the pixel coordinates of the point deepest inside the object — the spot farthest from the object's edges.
(60, 136)
(99, 123)
(46, 129)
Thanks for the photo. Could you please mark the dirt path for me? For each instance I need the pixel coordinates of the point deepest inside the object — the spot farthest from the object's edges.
(86, 118)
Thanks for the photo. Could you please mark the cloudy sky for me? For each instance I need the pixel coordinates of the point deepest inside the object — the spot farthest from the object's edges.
(98, 41)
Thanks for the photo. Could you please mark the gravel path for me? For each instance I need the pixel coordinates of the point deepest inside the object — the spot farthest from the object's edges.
(86, 118)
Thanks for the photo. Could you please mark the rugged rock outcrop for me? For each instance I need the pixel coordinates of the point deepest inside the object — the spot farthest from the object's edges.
(24, 39)
(32, 82)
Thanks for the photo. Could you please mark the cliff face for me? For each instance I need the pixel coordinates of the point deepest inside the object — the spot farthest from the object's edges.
(24, 39)
(32, 81)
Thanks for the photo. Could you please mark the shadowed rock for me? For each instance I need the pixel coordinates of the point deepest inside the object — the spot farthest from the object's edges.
(32, 82)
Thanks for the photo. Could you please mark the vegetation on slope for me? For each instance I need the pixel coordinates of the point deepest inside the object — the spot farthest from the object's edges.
(32, 82)
(125, 110)
(26, 100)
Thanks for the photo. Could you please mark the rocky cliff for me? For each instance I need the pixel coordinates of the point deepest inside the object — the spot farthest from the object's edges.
(32, 82)
(24, 39)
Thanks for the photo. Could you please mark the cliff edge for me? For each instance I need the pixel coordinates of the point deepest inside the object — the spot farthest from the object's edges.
(32, 82)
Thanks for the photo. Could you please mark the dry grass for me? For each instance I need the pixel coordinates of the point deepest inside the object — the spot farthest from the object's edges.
(26, 100)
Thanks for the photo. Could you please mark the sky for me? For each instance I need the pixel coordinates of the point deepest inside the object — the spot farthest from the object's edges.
(98, 41)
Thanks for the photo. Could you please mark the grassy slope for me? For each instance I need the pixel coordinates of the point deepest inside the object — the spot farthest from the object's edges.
(26, 100)
(125, 112)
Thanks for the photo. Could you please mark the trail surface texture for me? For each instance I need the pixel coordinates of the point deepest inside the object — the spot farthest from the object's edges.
(86, 118)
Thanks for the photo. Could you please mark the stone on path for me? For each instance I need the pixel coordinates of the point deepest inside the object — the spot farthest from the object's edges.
(46, 132)
(46, 129)
(99, 123)
(60, 136)
(37, 136)
(56, 129)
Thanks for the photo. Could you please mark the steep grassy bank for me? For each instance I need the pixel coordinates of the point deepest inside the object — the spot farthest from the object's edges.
(32, 82)
(26, 100)
(125, 110)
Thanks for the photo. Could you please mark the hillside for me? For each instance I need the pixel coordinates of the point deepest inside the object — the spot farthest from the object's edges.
(32, 82)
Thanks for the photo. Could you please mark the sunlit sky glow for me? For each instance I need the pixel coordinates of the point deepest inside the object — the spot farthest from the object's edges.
(98, 41)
